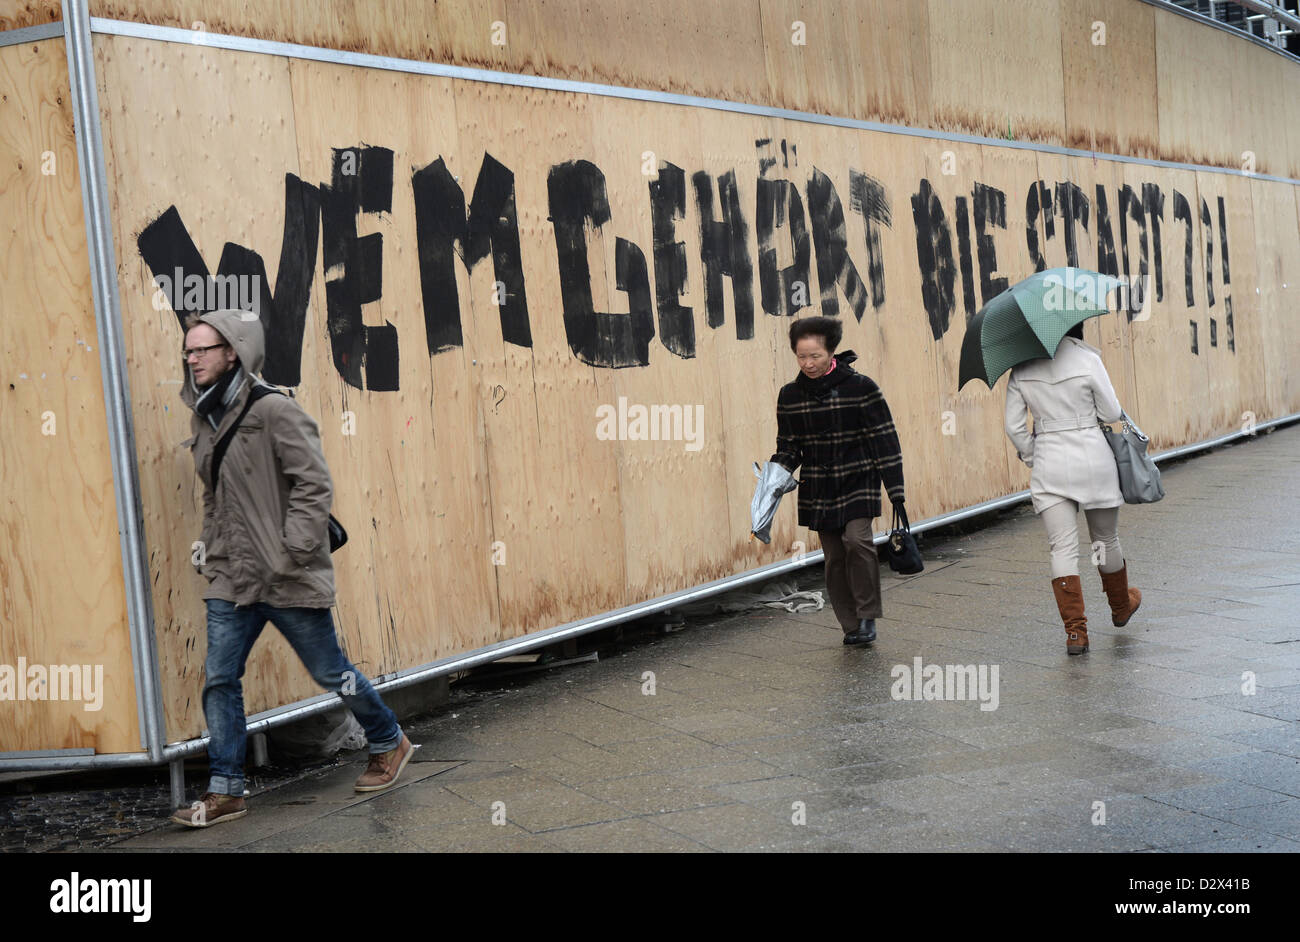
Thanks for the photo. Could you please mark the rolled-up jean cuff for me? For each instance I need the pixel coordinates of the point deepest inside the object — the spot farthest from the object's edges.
(224, 785)
(388, 745)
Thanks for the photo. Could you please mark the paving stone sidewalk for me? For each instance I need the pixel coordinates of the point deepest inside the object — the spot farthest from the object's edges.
(764, 732)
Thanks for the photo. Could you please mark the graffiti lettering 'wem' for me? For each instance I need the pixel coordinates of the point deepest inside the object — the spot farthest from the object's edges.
(362, 182)
(166, 247)
(576, 191)
(443, 233)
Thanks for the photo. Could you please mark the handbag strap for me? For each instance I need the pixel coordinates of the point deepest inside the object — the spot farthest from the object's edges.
(219, 452)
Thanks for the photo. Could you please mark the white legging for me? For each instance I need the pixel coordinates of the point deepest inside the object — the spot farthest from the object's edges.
(1062, 521)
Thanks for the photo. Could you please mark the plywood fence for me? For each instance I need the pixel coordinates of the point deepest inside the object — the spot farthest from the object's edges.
(1120, 76)
(475, 288)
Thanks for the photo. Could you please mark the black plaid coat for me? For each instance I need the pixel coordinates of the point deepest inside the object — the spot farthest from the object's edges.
(839, 428)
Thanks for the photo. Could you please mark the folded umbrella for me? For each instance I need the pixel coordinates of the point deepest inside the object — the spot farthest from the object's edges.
(773, 482)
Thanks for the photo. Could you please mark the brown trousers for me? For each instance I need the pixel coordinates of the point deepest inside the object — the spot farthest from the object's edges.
(852, 572)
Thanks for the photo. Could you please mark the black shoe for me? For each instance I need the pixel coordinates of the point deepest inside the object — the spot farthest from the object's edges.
(864, 634)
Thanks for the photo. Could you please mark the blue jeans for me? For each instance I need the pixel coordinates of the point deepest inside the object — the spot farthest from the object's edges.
(231, 632)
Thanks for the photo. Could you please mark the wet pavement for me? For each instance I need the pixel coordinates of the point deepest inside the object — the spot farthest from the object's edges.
(761, 731)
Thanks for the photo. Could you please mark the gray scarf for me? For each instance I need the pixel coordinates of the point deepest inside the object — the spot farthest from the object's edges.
(215, 399)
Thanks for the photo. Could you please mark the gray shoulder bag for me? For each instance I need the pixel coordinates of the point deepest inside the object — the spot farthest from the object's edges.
(1139, 478)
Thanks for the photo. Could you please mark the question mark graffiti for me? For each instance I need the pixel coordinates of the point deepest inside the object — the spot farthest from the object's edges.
(497, 402)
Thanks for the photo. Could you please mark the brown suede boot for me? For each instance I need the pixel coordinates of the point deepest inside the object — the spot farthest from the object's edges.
(1123, 600)
(1069, 601)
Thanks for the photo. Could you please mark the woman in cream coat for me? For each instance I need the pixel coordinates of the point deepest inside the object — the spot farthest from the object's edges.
(1073, 468)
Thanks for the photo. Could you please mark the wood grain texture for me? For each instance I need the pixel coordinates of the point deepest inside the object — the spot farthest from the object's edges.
(62, 598)
(1161, 86)
(17, 14)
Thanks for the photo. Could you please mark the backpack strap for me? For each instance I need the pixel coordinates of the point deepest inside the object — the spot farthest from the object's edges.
(219, 452)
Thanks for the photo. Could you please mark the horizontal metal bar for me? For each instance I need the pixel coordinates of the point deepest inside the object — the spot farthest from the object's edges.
(394, 64)
(1225, 27)
(324, 702)
(1270, 11)
(30, 34)
(46, 753)
(1224, 439)
(112, 760)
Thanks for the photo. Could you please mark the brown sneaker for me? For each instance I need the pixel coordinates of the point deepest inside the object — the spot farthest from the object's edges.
(384, 767)
(211, 809)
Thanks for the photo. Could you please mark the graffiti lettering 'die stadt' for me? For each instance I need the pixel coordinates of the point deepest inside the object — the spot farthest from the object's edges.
(808, 224)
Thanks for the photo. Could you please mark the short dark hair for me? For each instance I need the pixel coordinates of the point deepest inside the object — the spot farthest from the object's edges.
(828, 328)
(192, 321)
(1076, 331)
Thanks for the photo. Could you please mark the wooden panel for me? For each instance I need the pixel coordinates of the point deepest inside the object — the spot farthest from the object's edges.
(554, 487)
(1220, 407)
(1162, 344)
(995, 68)
(63, 601)
(1249, 335)
(233, 192)
(16, 14)
(1277, 262)
(1109, 55)
(1195, 94)
(1255, 130)
(1027, 69)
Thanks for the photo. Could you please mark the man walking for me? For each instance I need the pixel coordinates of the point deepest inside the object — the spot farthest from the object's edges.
(266, 555)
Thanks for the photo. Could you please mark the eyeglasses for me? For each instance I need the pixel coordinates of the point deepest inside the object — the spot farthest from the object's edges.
(187, 352)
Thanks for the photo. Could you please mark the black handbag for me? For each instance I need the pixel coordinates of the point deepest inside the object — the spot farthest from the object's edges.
(337, 535)
(900, 549)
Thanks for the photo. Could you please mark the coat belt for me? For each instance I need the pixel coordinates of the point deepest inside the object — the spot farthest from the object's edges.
(1065, 425)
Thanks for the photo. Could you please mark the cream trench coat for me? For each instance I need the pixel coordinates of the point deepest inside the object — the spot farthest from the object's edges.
(1067, 451)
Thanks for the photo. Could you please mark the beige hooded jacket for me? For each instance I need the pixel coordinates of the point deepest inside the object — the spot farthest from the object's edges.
(265, 529)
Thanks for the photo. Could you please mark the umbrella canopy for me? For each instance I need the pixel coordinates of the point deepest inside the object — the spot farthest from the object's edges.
(774, 481)
(1029, 319)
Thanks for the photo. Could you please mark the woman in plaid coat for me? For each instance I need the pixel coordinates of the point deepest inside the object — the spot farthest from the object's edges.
(835, 422)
